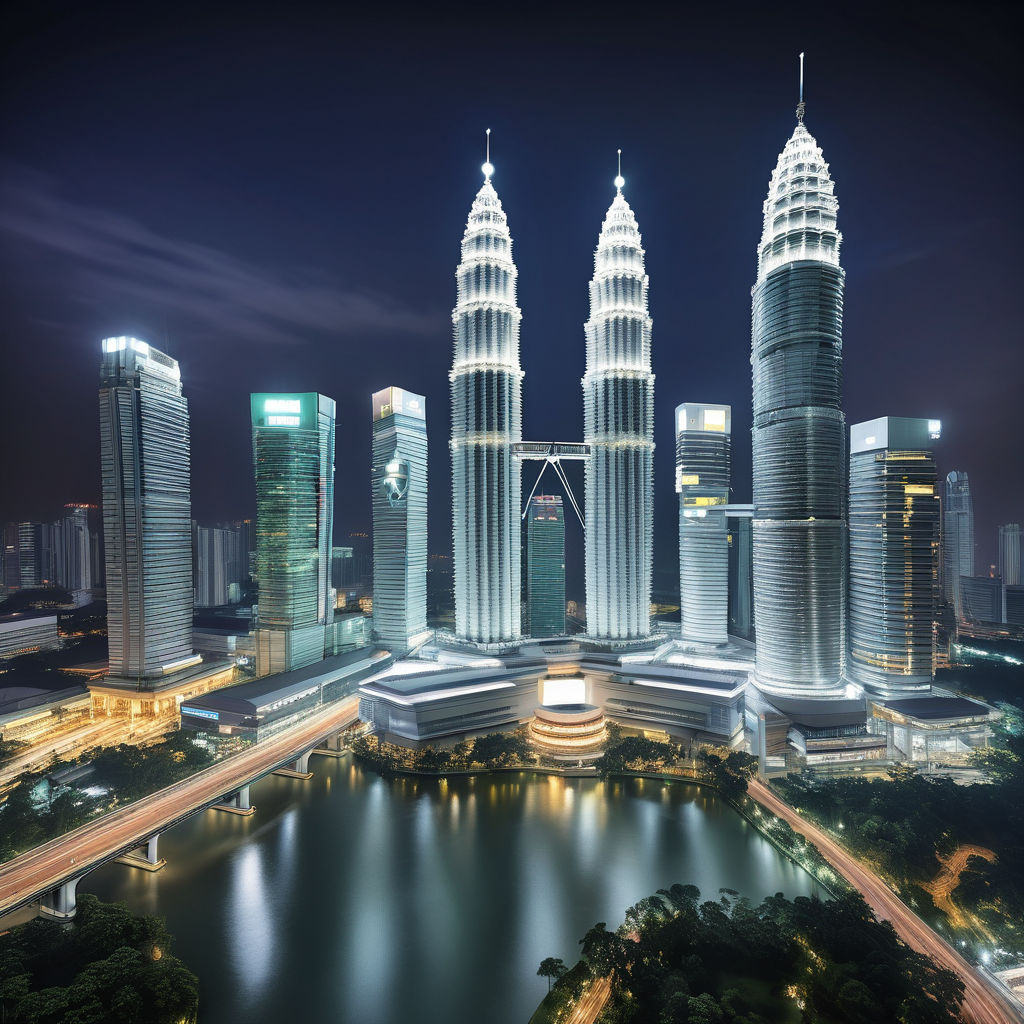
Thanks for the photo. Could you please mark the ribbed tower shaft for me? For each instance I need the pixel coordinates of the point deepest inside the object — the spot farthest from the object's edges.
(487, 419)
(799, 431)
(618, 417)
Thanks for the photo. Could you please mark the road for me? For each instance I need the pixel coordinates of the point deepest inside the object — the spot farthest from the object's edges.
(589, 1005)
(49, 865)
(983, 1002)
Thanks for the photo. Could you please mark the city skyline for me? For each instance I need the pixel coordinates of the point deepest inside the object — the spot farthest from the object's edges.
(893, 251)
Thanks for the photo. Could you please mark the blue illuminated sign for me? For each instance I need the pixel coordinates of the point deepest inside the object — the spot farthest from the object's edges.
(199, 713)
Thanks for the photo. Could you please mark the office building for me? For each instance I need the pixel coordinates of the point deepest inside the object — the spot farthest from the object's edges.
(798, 431)
(618, 425)
(957, 538)
(740, 523)
(982, 600)
(221, 564)
(293, 457)
(545, 565)
(73, 556)
(147, 524)
(703, 454)
(487, 420)
(399, 478)
(894, 555)
(1011, 555)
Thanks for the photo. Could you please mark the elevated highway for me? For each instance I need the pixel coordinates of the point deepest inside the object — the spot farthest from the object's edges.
(49, 874)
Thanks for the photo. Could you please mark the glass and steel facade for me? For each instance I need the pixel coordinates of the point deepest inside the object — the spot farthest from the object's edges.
(1011, 554)
(293, 457)
(147, 525)
(894, 555)
(957, 538)
(703, 454)
(545, 565)
(399, 478)
(798, 438)
(618, 425)
(487, 420)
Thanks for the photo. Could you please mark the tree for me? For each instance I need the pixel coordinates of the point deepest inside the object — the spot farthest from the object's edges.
(551, 968)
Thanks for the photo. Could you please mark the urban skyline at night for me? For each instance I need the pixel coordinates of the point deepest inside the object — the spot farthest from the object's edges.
(467, 475)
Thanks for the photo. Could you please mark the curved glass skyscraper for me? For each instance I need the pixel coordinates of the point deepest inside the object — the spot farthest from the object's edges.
(799, 431)
(618, 424)
(487, 419)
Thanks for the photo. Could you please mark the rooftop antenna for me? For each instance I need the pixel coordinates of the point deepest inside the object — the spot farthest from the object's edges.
(619, 179)
(488, 167)
(800, 105)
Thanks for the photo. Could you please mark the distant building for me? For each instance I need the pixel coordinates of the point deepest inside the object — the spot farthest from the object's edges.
(703, 458)
(981, 600)
(1011, 554)
(739, 520)
(893, 555)
(27, 633)
(362, 561)
(144, 458)
(73, 554)
(957, 538)
(293, 456)
(221, 564)
(399, 479)
(1013, 605)
(343, 577)
(545, 565)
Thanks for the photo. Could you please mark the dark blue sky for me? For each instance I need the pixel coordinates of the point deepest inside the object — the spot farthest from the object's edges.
(276, 198)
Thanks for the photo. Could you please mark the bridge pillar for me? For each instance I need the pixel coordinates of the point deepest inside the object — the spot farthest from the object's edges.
(236, 803)
(332, 745)
(298, 769)
(144, 856)
(60, 903)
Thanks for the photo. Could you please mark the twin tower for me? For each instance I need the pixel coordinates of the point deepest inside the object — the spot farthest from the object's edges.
(799, 446)
(487, 431)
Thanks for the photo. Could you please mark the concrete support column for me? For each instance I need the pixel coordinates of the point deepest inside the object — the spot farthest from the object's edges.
(236, 803)
(144, 856)
(298, 769)
(61, 902)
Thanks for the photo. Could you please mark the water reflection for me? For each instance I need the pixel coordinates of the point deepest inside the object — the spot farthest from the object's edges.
(355, 898)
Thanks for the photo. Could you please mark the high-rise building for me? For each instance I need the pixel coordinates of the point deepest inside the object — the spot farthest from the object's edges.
(1011, 554)
(739, 519)
(703, 454)
(545, 565)
(957, 538)
(342, 570)
(487, 420)
(220, 564)
(293, 457)
(798, 431)
(399, 517)
(147, 523)
(982, 599)
(618, 425)
(73, 554)
(894, 555)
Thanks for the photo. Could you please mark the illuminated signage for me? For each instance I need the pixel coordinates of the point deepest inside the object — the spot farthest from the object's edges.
(282, 405)
(934, 429)
(918, 489)
(200, 713)
(688, 479)
(282, 421)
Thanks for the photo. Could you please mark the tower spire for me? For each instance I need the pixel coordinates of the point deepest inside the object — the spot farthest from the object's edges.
(800, 105)
(488, 167)
(619, 179)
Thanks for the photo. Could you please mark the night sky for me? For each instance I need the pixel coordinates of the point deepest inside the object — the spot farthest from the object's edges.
(276, 199)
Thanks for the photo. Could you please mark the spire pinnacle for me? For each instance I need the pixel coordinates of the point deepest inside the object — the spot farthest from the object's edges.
(488, 167)
(800, 105)
(619, 179)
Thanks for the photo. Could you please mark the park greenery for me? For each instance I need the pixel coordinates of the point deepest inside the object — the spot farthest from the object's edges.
(676, 960)
(906, 826)
(36, 811)
(108, 965)
(495, 750)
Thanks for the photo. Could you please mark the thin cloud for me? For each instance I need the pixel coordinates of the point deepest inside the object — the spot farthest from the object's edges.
(115, 257)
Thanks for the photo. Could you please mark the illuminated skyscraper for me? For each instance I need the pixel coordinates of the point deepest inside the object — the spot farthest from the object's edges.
(293, 455)
(399, 517)
(798, 431)
(73, 554)
(618, 425)
(147, 522)
(703, 456)
(1011, 554)
(957, 537)
(894, 555)
(545, 565)
(487, 419)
